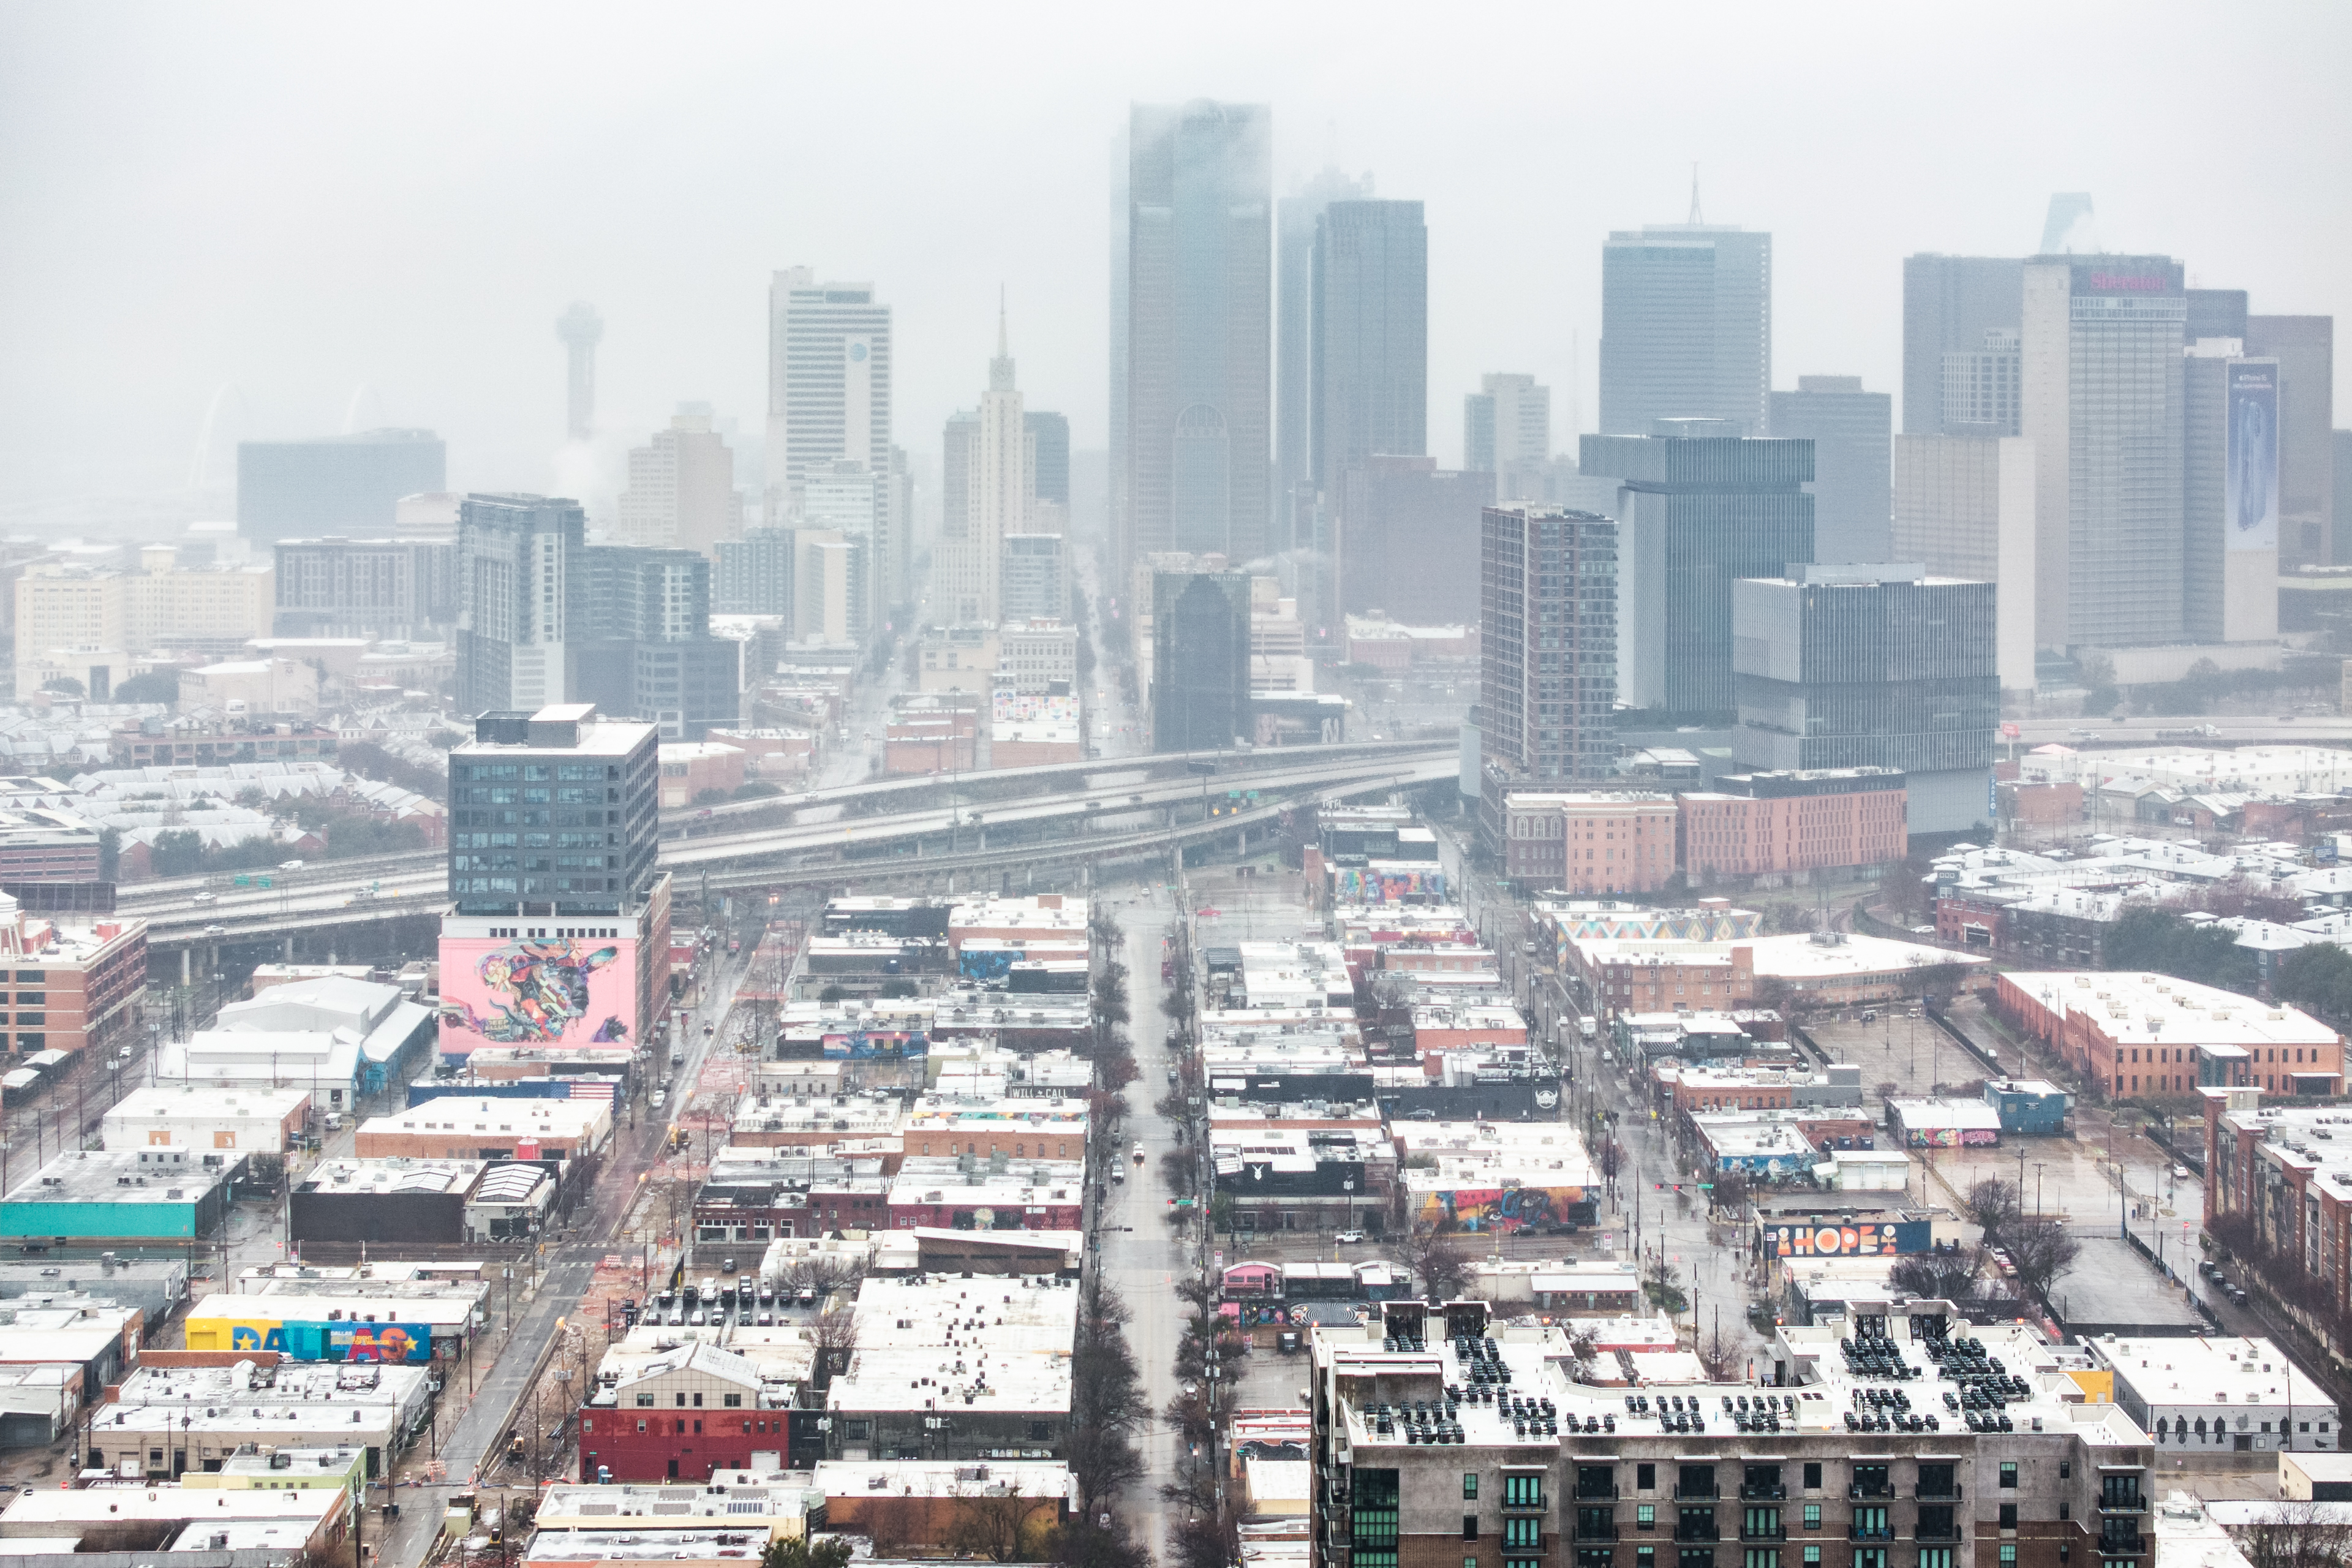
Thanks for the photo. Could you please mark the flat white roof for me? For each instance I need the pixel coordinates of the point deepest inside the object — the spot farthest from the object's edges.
(997, 1343)
(2149, 1009)
(2204, 1372)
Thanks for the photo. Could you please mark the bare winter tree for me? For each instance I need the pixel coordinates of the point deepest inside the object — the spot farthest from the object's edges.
(2296, 1534)
(996, 1522)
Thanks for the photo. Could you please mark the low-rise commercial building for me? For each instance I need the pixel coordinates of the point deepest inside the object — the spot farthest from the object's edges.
(682, 1417)
(2133, 1033)
(79, 984)
(957, 1369)
(166, 1421)
(2238, 1396)
(266, 1120)
(420, 1202)
(131, 1196)
(1792, 824)
(1615, 842)
(453, 1128)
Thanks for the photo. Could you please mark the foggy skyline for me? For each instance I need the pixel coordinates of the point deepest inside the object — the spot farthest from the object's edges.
(298, 203)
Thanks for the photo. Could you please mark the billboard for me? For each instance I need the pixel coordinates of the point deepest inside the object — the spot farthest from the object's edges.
(2249, 495)
(538, 991)
(1874, 1240)
(340, 1341)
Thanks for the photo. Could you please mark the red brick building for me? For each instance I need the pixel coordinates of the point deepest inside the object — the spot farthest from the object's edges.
(681, 1416)
(2132, 1035)
(1758, 824)
(1595, 843)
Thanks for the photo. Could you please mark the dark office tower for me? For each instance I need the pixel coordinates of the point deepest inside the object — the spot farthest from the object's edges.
(647, 649)
(1371, 347)
(2101, 398)
(394, 588)
(754, 575)
(516, 600)
(1547, 653)
(1854, 454)
(1686, 327)
(1949, 304)
(1295, 217)
(1200, 336)
(333, 484)
(1200, 660)
(575, 759)
(1409, 540)
(2304, 347)
(2230, 523)
(2214, 314)
(1051, 432)
(1701, 507)
(1872, 666)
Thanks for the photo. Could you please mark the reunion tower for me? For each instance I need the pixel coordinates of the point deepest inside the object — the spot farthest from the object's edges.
(581, 328)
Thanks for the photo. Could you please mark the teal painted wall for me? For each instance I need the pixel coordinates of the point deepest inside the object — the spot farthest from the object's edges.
(162, 1220)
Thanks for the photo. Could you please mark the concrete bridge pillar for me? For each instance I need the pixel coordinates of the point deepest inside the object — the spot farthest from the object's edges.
(185, 965)
(290, 947)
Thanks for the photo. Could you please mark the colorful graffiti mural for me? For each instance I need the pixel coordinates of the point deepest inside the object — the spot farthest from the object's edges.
(540, 992)
(1901, 1236)
(868, 1043)
(1501, 1208)
(1386, 883)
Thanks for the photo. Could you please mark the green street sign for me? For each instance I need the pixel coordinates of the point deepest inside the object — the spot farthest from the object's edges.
(241, 882)
(264, 881)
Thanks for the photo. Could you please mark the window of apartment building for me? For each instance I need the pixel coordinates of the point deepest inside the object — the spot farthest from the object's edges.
(1469, 1527)
(1812, 1515)
(1522, 1534)
(1812, 1478)
(2009, 1516)
(1645, 1478)
(1469, 1484)
(1645, 1514)
(2009, 1475)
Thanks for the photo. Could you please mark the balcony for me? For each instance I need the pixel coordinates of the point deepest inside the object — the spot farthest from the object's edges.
(1697, 1494)
(2120, 1504)
(1932, 1533)
(1596, 1530)
(1951, 1492)
(1595, 1492)
(1773, 1493)
(1696, 1529)
(2122, 1544)
(1523, 1504)
(1870, 1532)
(1871, 1492)
(1763, 1532)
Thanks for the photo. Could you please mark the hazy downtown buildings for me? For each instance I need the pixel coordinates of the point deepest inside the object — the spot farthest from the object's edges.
(515, 601)
(753, 576)
(1507, 432)
(2101, 400)
(398, 589)
(2304, 348)
(1686, 327)
(1200, 660)
(1872, 666)
(1957, 310)
(1852, 434)
(1371, 343)
(1195, 455)
(681, 489)
(1049, 464)
(643, 646)
(1409, 540)
(90, 625)
(332, 484)
(1548, 652)
(1035, 580)
(1964, 506)
(997, 467)
(829, 370)
(1296, 219)
(579, 329)
(1701, 507)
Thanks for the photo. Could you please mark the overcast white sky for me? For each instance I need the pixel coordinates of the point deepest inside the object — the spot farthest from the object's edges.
(298, 200)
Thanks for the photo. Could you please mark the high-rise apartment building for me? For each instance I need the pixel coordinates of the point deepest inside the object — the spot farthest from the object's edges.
(829, 368)
(1547, 654)
(753, 576)
(1701, 507)
(643, 644)
(829, 576)
(1409, 540)
(2304, 348)
(1506, 426)
(1369, 351)
(332, 484)
(2230, 494)
(559, 929)
(1049, 437)
(1964, 508)
(1872, 666)
(516, 555)
(681, 489)
(1295, 221)
(1957, 310)
(1853, 435)
(2101, 400)
(1200, 660)
(1686, 327)
(392, 589)
(1195, 458)
(1036, 582)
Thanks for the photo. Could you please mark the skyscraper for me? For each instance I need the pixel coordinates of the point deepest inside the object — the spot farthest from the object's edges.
(1949, 304)
(829, 367)
(1700, 508)
(516, 601)
(1507, 422)
(1852, 432)
(1872, 666)
(1547, 653)
(1964, 506)
(1295, 217)
(581, 330)
(2304, 347)
(753, 576)
(2101, 400)
(642, 643)
(1034, 585)
(1050, 434)
(2230, 495)
(1370, 351)
(1200, 660)
(1686, 327)
(1004, 481)
(333, 484)
(681, 489)
(1199, 335)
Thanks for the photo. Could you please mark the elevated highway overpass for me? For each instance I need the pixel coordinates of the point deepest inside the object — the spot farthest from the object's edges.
(1101, 813)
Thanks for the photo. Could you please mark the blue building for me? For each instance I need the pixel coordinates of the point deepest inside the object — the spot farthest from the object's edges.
(2030, 1105)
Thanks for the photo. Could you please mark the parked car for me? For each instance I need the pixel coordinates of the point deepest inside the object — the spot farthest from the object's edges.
(1349, 1237)
(2002, 1261)
(660, 1098)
